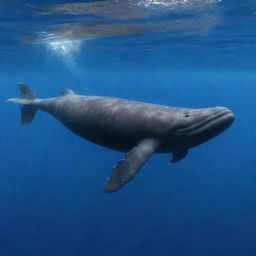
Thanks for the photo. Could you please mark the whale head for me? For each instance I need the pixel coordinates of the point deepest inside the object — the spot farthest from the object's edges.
(197, 126)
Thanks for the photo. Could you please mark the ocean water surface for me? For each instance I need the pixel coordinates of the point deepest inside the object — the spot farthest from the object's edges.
(183, 53)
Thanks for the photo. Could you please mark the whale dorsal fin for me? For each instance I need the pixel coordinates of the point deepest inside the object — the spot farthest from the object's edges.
(67, 92)
(131, 164)
(179, 154)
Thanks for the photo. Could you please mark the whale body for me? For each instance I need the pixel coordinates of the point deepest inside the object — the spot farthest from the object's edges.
(138, 128)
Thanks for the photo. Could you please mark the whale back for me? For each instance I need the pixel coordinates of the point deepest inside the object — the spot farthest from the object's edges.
(112, 122)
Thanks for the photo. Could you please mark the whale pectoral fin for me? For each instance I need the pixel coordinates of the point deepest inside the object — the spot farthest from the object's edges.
(131, 164)
(179, 154)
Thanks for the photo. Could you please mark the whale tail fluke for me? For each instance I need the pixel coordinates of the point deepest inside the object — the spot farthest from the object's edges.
(26, 92)
(27, 114)
(28, 110)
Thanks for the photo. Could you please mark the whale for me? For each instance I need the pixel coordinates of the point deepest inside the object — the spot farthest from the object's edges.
(137, 128)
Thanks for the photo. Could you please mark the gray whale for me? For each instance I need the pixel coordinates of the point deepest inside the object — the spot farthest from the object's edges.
(138, 128)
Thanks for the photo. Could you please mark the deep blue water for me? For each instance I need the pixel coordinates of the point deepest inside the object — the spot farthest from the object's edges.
(194, 53)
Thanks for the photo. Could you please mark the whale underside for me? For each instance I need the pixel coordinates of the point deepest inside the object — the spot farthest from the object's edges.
(138, 128)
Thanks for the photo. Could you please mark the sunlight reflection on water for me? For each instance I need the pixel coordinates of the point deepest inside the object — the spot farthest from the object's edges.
(176, 3)
(65, 48)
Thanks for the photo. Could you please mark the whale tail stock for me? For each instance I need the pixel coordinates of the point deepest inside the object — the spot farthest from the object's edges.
(28, 110)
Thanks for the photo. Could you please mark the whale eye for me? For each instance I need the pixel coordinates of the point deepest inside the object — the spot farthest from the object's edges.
(186, 115)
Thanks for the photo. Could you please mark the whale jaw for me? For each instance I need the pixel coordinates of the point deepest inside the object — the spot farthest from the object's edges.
(208, 124)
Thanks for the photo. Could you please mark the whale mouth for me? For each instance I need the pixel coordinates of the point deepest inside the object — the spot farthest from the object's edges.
(209, 126)
(219, 121)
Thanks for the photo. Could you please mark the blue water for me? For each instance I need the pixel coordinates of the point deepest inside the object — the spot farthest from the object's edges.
(191, 53)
